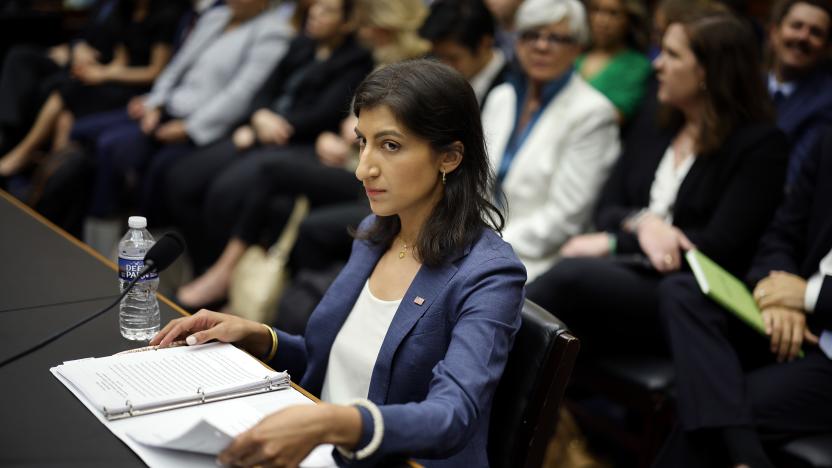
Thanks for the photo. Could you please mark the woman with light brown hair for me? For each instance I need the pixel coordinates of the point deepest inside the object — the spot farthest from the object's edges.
(710, 178)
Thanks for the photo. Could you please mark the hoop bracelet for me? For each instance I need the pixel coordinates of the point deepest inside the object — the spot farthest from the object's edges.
(378, 432)
(273, 349)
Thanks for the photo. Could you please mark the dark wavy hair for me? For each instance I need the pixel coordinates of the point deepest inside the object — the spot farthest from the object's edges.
(734, 90)
(436, 103)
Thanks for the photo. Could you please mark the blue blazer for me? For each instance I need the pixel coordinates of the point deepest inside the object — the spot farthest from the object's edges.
(441, 361)
(803, 115)
(801, 233)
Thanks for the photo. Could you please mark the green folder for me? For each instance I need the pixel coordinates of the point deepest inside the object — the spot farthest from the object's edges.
(725, 289)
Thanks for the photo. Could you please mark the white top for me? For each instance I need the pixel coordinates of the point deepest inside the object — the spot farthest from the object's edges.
(481, 82)
(816, 281)
(786, 88)
(355, 350)
(666, 184)
(810, 300)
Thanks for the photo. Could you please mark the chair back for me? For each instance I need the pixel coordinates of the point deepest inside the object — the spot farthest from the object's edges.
(525, 410)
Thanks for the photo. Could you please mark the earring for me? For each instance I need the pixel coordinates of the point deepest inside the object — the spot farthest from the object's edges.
(443, 177)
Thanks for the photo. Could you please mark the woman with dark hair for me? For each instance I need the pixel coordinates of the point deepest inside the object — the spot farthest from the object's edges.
(416, 330)
(615, 63)
(710, 177)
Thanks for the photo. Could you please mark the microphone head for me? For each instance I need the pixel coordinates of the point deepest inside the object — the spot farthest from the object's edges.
(167, 249)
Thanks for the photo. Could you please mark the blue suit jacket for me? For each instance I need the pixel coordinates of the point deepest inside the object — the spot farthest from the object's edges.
(802, 115)
(801, 233)
(440, 362)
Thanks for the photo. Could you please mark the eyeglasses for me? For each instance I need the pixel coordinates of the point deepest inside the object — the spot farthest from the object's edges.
(552, 39)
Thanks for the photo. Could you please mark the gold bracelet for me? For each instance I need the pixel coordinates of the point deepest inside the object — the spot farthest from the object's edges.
(273, 348)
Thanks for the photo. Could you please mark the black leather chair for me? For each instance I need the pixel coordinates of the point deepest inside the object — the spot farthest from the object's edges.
(645, 385)
(525, 410)
(642, 386)
(807, 452)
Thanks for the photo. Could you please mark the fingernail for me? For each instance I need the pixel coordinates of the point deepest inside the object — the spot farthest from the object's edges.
(191, 340)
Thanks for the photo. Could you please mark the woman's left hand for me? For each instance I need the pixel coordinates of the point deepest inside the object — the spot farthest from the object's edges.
(663, 243)
(596, 244)
(332, 150)
(172, 131)
(283, 438)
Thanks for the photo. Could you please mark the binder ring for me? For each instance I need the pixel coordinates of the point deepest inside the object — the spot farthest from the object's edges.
(269, 383)
(129, 407)
(201, 394)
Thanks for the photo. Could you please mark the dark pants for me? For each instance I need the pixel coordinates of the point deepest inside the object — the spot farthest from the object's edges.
(126, 157)
(295, 173)
(609, 306)
(254, 193)
(323, 247)
(28, 76)
(725, 377)
(186, 184)
(324, 237)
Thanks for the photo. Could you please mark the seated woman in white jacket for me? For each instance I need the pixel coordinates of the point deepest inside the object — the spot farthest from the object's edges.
(552, 138)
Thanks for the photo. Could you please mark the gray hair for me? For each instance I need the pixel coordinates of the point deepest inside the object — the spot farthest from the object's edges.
(536, 13)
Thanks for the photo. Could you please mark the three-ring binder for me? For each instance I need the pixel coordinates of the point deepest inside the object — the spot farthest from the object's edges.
(270, 384)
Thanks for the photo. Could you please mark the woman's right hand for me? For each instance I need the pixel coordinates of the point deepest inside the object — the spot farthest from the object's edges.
(206, 325)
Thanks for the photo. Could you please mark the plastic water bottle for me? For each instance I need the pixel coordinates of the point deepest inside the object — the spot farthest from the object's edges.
(138, 316)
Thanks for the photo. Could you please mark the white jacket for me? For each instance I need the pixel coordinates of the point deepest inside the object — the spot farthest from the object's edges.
(556, 176)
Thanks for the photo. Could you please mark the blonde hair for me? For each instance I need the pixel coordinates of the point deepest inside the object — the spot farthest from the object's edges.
(402, 18)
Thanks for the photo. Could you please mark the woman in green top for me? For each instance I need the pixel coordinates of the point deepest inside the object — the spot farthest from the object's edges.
(615, 63)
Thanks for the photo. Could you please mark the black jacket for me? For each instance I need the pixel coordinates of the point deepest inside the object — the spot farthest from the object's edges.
(724, 203)
(322, 98)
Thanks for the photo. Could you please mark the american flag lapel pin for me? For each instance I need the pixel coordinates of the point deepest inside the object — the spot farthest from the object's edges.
(419, 300)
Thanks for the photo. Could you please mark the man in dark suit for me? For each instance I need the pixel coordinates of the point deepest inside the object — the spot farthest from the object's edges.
(724, 411)
(462, 36)
(799, 84)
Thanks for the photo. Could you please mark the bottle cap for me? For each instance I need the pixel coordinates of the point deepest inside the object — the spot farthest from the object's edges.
(137, 222)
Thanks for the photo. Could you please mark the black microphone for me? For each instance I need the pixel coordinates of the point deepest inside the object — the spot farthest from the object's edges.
(167, 249)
